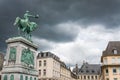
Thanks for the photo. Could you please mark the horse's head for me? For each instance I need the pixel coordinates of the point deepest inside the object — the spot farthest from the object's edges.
(16, 21)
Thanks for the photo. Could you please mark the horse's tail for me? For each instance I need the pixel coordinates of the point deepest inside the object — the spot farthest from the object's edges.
(16, 20)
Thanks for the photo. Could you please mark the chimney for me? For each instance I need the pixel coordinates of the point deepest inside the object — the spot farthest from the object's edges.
(77, 69)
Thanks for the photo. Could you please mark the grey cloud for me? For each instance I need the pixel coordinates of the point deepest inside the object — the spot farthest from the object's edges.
(56, 34)
(53, 12)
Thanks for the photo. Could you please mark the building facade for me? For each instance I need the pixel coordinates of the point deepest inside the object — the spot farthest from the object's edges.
(88, 71)
(65, 72)
(50, 67)
(110, 60)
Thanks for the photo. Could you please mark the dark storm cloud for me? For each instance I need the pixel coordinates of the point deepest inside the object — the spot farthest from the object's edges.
(88, 11)
(53, 12)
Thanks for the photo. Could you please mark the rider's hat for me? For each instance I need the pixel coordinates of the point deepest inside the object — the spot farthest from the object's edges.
(27, 11)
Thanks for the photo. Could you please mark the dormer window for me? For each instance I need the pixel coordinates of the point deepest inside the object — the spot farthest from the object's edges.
(93, 71)
(87, 71)
(81, 71)
(115, 51)
(42, 54)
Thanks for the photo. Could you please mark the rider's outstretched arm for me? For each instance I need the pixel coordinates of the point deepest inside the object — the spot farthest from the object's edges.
(31, 15)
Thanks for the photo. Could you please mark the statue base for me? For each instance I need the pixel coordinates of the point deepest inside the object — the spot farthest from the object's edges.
(18, 66)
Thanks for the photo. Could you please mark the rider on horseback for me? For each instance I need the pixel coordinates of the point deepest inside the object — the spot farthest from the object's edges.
(25, 26)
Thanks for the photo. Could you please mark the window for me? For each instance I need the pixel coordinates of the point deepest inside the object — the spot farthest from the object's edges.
(113, 60)
(40, 72)
(105, 60)
(92, 77)
(84, 77)
(88, 77)
(114, 71)
(93, 71)
(40, 63)
(115, 51)
(42, 54)
(44, 72)
(119, 60)
(44, 62)
(95, 77)
(46, 54)
(106, 71)
(87, 71)
(81, 71)
(119, 70)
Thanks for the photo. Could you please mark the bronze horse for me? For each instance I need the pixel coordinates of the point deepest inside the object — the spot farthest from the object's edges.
(25, 26)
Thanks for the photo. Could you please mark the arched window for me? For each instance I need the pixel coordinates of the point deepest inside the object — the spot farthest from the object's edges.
(21, 77)
(30, 78)
(34, 78)
(26, 77)
(12, 77)
(5, 77)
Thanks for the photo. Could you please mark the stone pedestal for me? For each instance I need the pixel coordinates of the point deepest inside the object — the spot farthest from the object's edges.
(20, 61)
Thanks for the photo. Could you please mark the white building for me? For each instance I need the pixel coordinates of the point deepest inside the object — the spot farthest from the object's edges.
(50, 67)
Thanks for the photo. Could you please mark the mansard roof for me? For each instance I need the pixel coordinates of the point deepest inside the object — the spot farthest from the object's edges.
(89, 69)
(47, 55)
(112, 45)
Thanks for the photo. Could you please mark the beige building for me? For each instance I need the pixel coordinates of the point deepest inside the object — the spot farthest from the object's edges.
(88, 71)
(111, 61)
(50, 67)
(66, 73)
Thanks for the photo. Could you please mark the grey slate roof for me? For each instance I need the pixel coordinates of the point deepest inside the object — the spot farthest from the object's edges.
(47, 55)
(89, 69)
(112, 45)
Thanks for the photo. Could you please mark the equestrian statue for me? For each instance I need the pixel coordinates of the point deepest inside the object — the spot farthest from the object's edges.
(25, 26)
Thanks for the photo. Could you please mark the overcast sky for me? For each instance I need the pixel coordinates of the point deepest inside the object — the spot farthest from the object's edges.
(75, 30)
